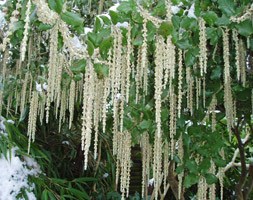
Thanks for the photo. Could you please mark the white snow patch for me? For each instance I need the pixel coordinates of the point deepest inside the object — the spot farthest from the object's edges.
(87, 30)
(191, 12)
(123, 24)
(38, 87)
(14, 172)
(114, 7)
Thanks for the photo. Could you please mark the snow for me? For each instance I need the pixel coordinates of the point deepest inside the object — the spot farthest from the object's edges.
(38, 87)
(14, 171)
(2, 19)
(87, 30)
(191, 12)
(114, 7)
(123, 24)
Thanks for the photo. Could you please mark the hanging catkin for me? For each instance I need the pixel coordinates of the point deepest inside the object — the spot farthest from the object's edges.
(242, 56)
(237, 54)
(88, 101)
(180, 81)
(173, 118)
(24, 93)
(97, 110)
(158, 82)
(144, 60)
(71, 101)
(25, 38)
(157, 164)
(13, 19)
(32, 118)
(228, 98)
(190, 85)
(128, 61)
(202, 47)
(212, 188)
(146, 150)
(221, 175)
(166, 155)
(52, 65)
(125, 163)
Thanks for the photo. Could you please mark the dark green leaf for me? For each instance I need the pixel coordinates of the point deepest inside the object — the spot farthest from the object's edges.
(227, 6)
(210, 17)
(165, 29)
(72, 19)
(55, 5)
(245, 28)
(210, 178)
(90, 47)
(190, 180)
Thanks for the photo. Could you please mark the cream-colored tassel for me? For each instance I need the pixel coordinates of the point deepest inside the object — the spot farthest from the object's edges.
(32, 118)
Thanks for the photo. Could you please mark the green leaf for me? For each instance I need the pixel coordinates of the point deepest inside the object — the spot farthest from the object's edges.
(227, 7)
(78, 66)
(55, 5)
(79, 194)
(191, 56)
(190, 180)
(97, 25)
(90, 47)
(222, 21)
(183, 43)
(138, 40)
(210, 17)
(44, 194)
(85, 179)
(101, 70)
(72, 19)
(210, 178)
(114, 16)
(105, 46)
(145, 124)
(245, 28)
(192, 166)
(127, 6)
(188, 23)
(213, 34)
(105, 19)
(216, 73)
(44, 27)
(165, 29)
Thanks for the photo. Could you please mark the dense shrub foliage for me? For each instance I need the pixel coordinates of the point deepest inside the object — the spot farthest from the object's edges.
(102, 88)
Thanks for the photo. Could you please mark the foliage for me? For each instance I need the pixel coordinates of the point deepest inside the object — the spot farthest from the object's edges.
(212, 116)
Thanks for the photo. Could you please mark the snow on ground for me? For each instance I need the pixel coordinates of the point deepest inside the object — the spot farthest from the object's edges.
(14, 171)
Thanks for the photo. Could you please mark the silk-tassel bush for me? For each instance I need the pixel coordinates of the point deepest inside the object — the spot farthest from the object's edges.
(128, 62)
(212, 187)
(228, 98)
(190, 86)
(71, 101)
(97, 111)
(32, 118)
(202, 47)
(146, 150)
(166, 155)
(88, 102)
(157, 164)
(11, 28)
(144, 60)
(125, 163)
(52, 65)
(23, 45)
(158, 82)
(180, 82)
